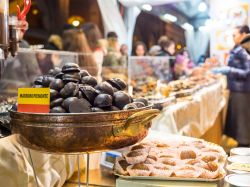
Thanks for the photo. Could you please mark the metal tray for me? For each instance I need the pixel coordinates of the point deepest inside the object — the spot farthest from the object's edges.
(222, 175)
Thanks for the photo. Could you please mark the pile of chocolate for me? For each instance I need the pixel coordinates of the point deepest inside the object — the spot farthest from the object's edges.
(73, 90)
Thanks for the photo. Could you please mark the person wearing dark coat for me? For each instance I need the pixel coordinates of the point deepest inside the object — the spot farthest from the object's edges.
(238, 77)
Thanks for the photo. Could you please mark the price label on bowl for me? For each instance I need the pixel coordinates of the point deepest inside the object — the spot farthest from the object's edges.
(33, 100)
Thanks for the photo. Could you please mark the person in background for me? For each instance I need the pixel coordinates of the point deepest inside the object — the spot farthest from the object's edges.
(181, 68)
(113, 58)
(201, 60)
(154, 50)
(54, 43)
(167, 46)
(94, 37)
(139, 49)
(47, 61)
(238, 76)
(124, 50)
(168, 50)
(186, 55)
(75, 41)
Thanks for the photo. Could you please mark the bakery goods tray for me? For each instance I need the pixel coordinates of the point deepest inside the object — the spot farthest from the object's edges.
(222, 175)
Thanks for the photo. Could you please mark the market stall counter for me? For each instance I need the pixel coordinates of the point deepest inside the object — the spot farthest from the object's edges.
(193, 117)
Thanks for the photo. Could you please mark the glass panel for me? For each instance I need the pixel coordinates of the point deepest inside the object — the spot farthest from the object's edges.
(145, 72)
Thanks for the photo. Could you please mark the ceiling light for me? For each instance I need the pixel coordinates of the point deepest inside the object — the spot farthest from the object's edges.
(187, 26)
(76, 23)
(147, 7)
(170, 17)
(202, 6)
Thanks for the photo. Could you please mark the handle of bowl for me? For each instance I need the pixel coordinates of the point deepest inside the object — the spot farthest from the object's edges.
(146, 116)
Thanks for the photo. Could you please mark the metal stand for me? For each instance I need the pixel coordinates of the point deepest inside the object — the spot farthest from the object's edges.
(78, 172)
(33, 168)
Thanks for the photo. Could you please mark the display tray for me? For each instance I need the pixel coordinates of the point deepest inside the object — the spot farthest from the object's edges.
(164, 102)
(183, 93)
(222, 175)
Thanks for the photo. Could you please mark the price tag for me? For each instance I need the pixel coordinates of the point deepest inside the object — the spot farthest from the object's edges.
(33, 100)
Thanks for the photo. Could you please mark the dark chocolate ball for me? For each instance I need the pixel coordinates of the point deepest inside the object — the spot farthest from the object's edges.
(56, 84)
(71, 77)
(120, 99)
(47, 79)
(103, 100)
(143, 100)
(89, 80)
(130, 106)
(59, 75)
(88, 93)
(39, 80)
(79, 106)
(96, 109)
(57, 109)
(139, 104)
(112, 108)
(84, 73)
(67, 102)
(70, 67)
(56, 102)
(117, 83)
(70, 90)
(105, 88)
(55, 71)
(53, 94)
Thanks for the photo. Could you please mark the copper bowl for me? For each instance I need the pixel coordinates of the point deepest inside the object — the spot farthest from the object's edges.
(86, 132)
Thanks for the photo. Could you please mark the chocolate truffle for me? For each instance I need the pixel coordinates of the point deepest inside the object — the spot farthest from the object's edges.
(130, 106)
(105, 88)
(56, 102)
(103, 100)
(121, 99)
(53, 94)
(88, 93)
(70, 67)
(70, 90)
(117, 83)
(143, 100)
(56, 84)
(67, 102)
(79, 106)
(89, 80)
(57, 109)
(84, 73)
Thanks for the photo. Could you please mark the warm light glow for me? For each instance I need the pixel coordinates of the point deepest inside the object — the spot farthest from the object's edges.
(35, 11)
(178, 46)
(147, 7)
(170, 17)
(76, 23)
(187, 26)
(202, 7)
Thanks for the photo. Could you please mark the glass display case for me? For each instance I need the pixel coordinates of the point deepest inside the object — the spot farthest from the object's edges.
(144, 73)
(21, 70)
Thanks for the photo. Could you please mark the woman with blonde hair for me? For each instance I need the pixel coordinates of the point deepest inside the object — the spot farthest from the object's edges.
(75, 41)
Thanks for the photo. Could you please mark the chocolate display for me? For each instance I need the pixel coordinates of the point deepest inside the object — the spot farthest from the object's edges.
(73, 90)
